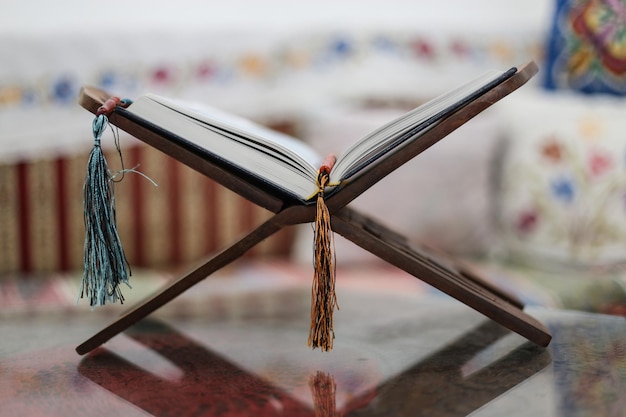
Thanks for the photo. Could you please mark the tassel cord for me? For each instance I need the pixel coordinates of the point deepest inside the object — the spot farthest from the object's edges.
(105, 265)
(323, 296)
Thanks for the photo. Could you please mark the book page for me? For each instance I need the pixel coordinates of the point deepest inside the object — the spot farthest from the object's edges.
(259, 157)
(411, 125)
(285, 162)
(258, 136)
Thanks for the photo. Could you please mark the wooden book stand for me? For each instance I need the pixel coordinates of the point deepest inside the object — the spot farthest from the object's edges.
(446, 275)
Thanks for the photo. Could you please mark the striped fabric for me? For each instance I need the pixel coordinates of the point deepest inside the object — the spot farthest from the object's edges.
(183, 219)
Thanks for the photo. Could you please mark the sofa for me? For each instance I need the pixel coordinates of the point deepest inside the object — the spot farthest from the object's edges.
(474, 195)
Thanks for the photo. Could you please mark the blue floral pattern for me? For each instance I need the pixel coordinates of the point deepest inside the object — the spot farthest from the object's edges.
(563, 189)
(317, 54)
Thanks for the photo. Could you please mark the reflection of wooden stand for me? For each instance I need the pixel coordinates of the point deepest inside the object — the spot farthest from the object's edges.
(445, 275)
(435, 386)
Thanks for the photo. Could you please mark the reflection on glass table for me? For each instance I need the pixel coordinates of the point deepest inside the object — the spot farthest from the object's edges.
(396, 354)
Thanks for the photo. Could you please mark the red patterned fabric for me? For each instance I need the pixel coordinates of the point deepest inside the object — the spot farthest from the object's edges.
(183, 219)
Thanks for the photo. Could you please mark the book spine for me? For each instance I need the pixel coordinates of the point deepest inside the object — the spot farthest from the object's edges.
(9, 219)
(129, 203)
(42, 211)
(41, 219)
(195, 215)
(210, 219)
(176, 249)
(153, 205)
(229, 217)
(60, 166)
(72, 209)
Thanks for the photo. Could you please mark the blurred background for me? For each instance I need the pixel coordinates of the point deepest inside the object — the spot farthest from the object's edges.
(533, 191)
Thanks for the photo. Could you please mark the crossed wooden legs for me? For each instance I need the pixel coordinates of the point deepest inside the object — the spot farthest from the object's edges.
(443, 274)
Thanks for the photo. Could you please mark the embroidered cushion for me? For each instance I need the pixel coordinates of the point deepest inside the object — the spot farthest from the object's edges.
(586, 50)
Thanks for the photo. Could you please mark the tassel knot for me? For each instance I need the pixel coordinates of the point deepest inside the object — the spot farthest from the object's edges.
(99, 125)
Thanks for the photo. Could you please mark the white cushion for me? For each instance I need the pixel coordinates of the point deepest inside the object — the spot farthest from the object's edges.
(562, 194)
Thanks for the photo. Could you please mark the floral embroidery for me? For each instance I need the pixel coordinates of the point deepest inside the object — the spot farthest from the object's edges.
(317, 54)
(163, 75)
(552, 150)
(587, 48)
(424, 49)
(601, 28)
(64, 90)
(599, 163)
(253, 65)
(563, 189)
(527, 221)
(205, 70)
(569, 195)
(342, 47)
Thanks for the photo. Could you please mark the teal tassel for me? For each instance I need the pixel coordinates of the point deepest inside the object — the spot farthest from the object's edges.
(105, 265)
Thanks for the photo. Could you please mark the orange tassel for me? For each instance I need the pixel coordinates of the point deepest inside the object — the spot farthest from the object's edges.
(323, 297)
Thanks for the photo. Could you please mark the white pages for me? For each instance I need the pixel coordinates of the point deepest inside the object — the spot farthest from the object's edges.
(281, 160)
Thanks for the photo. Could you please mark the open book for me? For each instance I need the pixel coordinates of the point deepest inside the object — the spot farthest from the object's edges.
(285, 165)
(280, 174)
